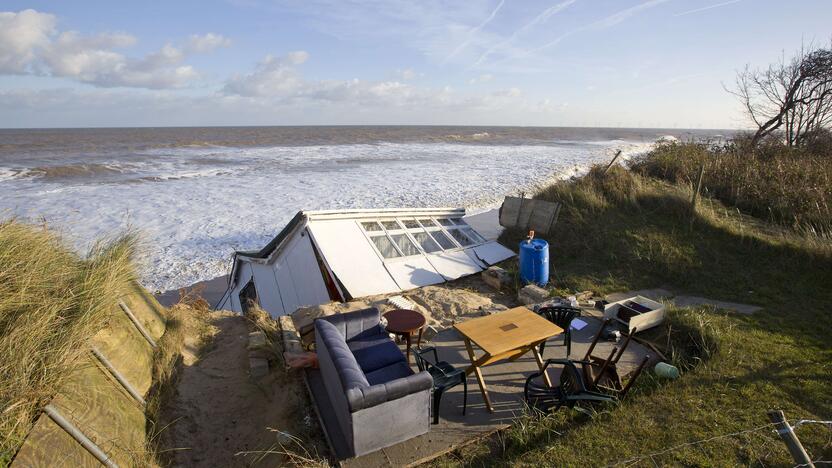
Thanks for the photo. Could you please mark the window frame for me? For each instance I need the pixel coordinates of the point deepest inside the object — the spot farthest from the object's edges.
(455, 223)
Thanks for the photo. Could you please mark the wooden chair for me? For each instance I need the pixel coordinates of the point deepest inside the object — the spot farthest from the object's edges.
(602, 374)
(445, 376)
(561, 316)
(570, 391)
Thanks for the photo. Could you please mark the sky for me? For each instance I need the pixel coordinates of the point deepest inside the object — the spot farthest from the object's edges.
(591, 63)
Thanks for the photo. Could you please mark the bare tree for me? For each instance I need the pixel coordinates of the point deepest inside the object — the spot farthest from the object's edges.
(793, 96)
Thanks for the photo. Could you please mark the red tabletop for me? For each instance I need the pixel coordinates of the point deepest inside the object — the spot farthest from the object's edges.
(404, 321)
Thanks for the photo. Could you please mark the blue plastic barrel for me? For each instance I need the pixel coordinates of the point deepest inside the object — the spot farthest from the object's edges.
(534, 262)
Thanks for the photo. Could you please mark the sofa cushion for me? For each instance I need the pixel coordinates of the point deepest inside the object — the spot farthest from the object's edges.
(356, 324)
(375, 352)
(349, 372)
(388, 373)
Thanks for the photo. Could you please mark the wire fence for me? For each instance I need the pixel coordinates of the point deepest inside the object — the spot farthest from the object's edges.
(765, 432)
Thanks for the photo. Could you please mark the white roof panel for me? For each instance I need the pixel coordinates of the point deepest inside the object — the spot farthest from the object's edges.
(455, 264)
(351, 257)
(413, 272)
(492, 252)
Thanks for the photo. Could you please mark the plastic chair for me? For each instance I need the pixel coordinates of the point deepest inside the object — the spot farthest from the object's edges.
(445, 376)
(561, 316)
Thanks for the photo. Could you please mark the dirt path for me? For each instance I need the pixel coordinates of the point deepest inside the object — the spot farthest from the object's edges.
(219, 416)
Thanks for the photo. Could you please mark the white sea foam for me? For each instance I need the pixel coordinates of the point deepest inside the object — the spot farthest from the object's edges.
(196, 205)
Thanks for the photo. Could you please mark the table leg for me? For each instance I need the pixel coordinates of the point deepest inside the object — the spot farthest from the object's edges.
(407, 349)
(539, 360)
(478, 374)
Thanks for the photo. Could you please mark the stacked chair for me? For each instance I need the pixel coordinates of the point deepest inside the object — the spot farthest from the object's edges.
(592, 379)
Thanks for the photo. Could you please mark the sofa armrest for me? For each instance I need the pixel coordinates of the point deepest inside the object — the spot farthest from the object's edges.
(366, 397)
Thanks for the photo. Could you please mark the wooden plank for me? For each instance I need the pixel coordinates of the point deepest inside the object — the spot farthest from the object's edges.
(510, 212)
(542, 215)
(526, 213)
(128, 351)
(49, 445)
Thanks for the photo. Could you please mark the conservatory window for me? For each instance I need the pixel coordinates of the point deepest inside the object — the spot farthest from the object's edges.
(427, 222)
(428, 244)
(371, 226)
(460, 237)
(391, 225)
(385, 247)
(405, 244)
(443, 240)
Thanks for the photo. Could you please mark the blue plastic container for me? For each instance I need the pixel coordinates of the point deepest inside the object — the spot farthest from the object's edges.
(534, 262)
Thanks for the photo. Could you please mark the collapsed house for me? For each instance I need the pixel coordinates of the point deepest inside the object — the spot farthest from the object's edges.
(340, 255)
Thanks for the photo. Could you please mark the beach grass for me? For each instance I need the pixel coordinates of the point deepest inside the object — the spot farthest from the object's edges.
(787, 186)
(50, 301)
(625, 231)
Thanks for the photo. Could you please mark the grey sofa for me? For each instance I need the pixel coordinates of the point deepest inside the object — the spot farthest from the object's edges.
(377, 398)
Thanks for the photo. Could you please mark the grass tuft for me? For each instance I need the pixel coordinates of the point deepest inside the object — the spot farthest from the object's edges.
(51, 300)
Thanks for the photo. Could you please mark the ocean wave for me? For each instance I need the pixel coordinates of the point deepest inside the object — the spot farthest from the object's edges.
(71, 171)
(195, 205)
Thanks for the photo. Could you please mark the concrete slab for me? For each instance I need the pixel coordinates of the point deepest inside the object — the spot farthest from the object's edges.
(683, 300)
(689, 301)
(657, 294)
(505, 381)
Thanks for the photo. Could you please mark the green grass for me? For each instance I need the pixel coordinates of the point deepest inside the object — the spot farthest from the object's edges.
(51, 300)
(624, 231)
(788, 186)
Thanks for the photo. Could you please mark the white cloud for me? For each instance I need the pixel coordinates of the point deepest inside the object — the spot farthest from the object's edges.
(273, 76)
(279, 82)
(31, 44)
(484, 78)
(407, 74)
(21, 36)
(206, 42)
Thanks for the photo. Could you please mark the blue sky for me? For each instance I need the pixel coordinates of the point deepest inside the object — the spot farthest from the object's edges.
(631, 63)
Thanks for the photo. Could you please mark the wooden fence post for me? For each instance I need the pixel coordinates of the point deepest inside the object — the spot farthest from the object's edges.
(617, 154)
(786, 432)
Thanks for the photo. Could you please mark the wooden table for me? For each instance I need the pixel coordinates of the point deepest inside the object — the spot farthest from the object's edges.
(405, 322)
(505, 335)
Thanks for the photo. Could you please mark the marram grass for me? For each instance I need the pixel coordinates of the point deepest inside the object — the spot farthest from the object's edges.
(52, 302)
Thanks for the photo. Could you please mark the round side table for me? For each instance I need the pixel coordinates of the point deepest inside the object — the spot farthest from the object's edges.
(405, 322)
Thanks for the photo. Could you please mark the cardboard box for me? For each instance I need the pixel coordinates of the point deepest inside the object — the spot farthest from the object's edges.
(641, 320)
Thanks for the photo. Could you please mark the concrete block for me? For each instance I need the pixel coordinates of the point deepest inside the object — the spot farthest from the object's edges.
(258, 367)
(496, 277)
(290, 338)
(256, 340)
(532, 294)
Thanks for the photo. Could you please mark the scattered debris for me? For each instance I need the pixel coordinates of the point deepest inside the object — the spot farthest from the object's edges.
(532, 294)
(497, 278)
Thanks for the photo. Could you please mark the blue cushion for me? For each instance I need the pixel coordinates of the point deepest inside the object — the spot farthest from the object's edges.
(376, 351)
(389, 373)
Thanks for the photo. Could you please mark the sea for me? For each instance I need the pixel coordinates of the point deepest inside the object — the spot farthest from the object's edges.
(195, 195)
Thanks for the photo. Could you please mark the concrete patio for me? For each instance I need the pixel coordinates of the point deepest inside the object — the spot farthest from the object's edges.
(504, 380)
